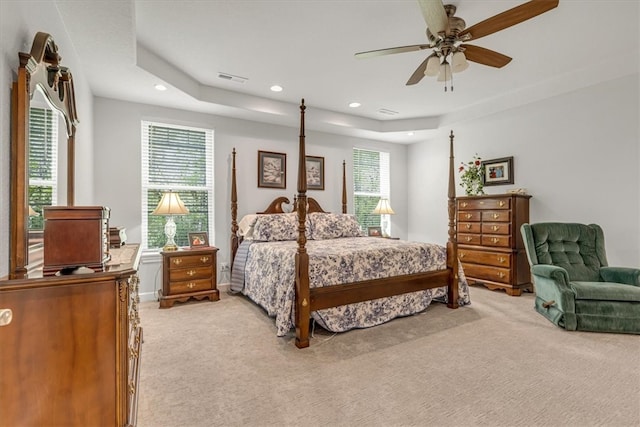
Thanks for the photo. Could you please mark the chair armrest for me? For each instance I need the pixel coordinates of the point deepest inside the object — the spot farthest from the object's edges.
(553, 272)
(628, 276)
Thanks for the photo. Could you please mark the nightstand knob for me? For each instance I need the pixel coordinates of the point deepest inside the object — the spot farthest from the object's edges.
(468, 238)
(495, 228)
(191, 272)
(177, 261)
(501, 275)
(468, 226)
(495, 240)
(501, 259)
(461, 255)
(501, 203)
(204, 259)
(496, 215)
(468, 216)
(191, 285)
(463, 204)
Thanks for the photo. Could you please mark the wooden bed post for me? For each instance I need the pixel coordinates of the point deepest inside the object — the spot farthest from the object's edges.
(234, 208)
(344, 187)
(452, 244)
(303, 308)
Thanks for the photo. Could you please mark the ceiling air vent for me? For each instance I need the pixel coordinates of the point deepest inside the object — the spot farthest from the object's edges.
(387, 112)
(231, 77)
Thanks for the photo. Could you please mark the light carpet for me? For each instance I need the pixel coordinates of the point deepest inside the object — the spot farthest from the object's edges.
(493, 363)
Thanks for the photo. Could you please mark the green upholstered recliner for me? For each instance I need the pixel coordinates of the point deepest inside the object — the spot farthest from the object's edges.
(575, 289)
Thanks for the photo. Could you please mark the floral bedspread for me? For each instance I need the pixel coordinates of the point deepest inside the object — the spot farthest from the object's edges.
(270, 278)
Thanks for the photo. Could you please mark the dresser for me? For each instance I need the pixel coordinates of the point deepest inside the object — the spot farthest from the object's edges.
(490, 245)
(71, 347)
(189, 273)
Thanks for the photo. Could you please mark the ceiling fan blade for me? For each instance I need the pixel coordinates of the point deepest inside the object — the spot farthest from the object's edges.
(485, 56)
(509, 18)
(389, 51)
(418, 74)
(434, 15)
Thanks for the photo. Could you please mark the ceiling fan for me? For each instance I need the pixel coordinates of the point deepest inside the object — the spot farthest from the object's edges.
(448, 35)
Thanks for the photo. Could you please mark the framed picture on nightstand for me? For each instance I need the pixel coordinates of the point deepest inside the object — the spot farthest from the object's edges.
(198, 239)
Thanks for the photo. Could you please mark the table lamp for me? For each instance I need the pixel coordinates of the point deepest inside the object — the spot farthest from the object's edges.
(170, 205)
(384, 208)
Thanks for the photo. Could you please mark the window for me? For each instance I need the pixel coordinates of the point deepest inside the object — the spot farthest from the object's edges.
(180, 159)
(43, 163)
(370, 183)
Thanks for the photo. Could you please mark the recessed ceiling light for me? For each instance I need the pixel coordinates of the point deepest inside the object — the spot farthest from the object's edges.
(354, 104)
(276, 88)
(160, 87)
(410, 133)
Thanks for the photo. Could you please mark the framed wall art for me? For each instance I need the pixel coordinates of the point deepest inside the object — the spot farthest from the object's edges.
(315, 172)
(198, 239)
(272, 170)
(498, 171)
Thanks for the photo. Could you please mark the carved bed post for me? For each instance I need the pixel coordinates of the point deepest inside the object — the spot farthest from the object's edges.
(452, 244)
(302, 258)
(344, 187)
(234, 208)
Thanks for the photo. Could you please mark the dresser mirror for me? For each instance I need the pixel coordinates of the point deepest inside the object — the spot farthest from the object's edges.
(44, 121)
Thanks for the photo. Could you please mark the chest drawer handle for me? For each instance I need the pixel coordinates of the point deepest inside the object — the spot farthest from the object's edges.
(463, 204)
(6, 315)
(177, 261)
(468, 238)
(501, 203)
(501, 259)
(495, 240)
(501, 275)
(467, 226)
(191, 285)
(468, 216)
(496, 215)
(204, 259)
(461, 255)
(495, 228)
(191, 272)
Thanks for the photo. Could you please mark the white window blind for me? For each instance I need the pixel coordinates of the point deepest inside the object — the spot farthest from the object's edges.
(180, 159)
(371, 181)
(43, 163)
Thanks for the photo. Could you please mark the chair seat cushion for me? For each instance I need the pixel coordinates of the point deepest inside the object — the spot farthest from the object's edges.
(605, 291)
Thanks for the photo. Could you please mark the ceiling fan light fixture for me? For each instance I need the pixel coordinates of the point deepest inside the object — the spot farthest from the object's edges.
(459, 62)
(445, 72)
(433, 66)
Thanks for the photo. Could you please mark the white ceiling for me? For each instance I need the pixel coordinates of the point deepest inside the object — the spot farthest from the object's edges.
(308, 46)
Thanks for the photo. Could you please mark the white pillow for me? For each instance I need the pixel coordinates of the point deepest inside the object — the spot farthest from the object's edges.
(246, 225)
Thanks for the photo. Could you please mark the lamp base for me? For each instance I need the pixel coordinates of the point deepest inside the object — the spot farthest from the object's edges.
(169, 247)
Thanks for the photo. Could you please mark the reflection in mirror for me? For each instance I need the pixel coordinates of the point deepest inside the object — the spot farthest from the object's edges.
(46, 168)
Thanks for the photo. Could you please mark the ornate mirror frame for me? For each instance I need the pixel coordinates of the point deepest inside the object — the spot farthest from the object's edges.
(39, 69)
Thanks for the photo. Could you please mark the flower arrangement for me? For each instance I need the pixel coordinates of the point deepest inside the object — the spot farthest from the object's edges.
(471, 176)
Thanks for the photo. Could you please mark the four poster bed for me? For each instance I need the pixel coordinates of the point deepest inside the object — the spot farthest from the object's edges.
(311, 264)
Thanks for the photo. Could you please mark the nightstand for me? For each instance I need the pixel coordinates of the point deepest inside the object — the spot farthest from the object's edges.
(189, 273)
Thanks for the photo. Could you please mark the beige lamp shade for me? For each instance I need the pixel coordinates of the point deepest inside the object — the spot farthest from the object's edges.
(383, 208)
(32, 212)
(170, 204)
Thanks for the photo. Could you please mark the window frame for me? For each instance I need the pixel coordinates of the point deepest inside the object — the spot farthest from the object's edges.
(147, 186)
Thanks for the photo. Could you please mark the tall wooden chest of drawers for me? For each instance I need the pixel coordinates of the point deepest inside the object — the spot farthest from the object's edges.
(188, 274)
(490, 245)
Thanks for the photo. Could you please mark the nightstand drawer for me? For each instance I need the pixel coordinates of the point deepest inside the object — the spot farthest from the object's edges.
(469, 227)
(465, 216)
(189, 286)
(191, 260)
(190, 273)
(496, 216)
